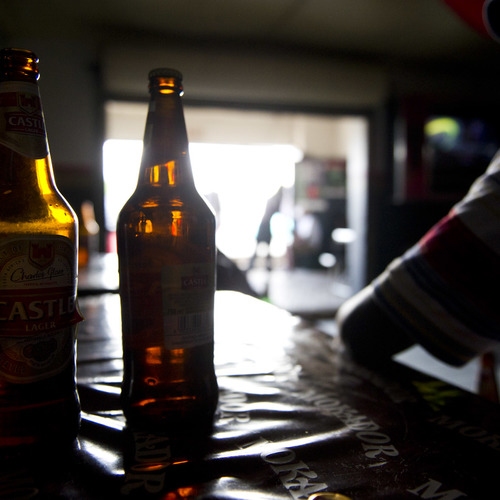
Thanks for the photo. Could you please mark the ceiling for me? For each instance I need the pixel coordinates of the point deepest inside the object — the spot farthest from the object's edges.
(388, 30)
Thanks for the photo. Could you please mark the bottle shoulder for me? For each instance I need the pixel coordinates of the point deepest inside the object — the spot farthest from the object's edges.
(49, 214)
(180, 200)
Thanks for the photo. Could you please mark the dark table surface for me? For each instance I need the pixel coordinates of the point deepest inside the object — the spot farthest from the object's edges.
(295, 418)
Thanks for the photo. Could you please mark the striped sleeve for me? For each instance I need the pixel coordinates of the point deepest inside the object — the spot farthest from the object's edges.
(445, 290)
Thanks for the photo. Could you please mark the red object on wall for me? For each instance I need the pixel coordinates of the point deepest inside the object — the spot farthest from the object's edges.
(482, 15)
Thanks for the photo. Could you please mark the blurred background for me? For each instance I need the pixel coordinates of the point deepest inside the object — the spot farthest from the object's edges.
(328, 135)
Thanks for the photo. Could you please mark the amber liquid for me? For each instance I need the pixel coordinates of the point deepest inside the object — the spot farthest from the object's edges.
(46, 410)
(159, 228)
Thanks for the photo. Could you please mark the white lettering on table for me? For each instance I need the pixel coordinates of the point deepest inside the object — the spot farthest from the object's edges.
(152, 457)
(469, 431)
(233, 408)
(295, 475)
(375, 444)
(431, 488)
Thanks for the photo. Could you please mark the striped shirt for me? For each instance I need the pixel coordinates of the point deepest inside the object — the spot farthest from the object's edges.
(445, 290)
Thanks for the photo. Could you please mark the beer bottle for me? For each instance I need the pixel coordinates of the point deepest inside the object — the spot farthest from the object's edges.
(38, 270)
(166, 252)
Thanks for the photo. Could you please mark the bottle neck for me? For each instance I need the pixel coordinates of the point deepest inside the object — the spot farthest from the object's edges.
(165, 158)
(24, 153)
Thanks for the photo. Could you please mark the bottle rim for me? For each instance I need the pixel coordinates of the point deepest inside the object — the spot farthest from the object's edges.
(20, 61)
(165, 73)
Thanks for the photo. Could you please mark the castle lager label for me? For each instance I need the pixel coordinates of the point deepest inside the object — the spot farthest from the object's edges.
(21, 119)
(187, 297)
(37, 307)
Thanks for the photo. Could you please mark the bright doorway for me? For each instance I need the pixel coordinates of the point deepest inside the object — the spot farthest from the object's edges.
(238, 200)
(240, 159)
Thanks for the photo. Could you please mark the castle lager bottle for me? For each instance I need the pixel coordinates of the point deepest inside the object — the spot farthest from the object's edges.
(166, 250)
(38, 270)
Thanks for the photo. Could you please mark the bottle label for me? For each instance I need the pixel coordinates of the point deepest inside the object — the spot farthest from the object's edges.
(21, 119)
(188, 305)
(37, 307)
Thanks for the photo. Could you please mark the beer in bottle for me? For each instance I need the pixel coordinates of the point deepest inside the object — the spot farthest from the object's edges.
(166, 251)
(38, 271)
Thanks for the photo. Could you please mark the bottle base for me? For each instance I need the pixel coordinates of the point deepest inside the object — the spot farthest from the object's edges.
(170, 423)
(51, 424)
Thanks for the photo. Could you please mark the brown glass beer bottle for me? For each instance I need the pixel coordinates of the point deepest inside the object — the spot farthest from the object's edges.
(166, 251)
(38, 271)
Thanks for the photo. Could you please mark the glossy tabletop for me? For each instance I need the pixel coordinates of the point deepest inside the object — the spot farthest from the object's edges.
(295, 418)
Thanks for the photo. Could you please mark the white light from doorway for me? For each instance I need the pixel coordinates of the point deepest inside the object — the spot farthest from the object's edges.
(240, 177)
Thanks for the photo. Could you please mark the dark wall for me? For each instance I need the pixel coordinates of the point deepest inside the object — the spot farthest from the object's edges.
(403, 225)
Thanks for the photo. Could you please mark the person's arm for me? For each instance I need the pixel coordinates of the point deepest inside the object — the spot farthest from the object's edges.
(442, 293)
(367, 333)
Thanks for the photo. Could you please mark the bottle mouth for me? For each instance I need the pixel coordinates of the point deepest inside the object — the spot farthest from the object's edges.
(166, 73)
(18, 63)
(165, 80)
